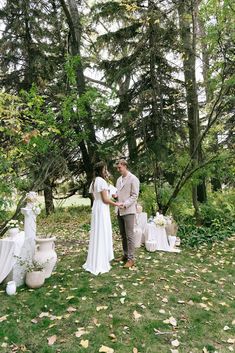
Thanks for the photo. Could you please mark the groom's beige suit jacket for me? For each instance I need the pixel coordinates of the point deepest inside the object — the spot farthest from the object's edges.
(128, 192)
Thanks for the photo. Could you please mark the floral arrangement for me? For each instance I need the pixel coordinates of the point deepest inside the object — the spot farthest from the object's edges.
(159, 220)
(14, 223)
(31, 197)
(31, 265)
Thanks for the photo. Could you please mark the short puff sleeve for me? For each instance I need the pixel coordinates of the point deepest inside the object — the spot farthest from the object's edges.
(99, 185)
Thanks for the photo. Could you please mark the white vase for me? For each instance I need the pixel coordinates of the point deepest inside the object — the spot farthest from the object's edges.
(172, 241)
(13, 232)
(35, 279)
(45, 254)
(151, 245)
(11, 288)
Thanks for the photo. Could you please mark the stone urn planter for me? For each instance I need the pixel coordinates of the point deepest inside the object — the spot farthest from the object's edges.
(45, 254)
(35, 279)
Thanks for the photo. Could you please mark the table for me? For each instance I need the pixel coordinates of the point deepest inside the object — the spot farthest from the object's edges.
(158, 234)
(10, 248)
(141, 222)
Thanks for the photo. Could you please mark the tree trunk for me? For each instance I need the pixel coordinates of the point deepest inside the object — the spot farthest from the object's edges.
(215, 182)
(28, 72)
(48, 197)
(188, 39)
(88, 147)
(124, 110)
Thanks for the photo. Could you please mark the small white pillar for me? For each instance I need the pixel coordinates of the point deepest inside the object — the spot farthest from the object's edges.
(30, 213)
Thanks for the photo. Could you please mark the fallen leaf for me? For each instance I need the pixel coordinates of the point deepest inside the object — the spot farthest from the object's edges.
(165, 300)
(175, 343)
(231, 340)
(135, 350)
(3, 318)
(136, 315)
(102, 307)
(105, 349)
(112, 336)
(70, 297)
(4, 345)
(204, 350)
(95, 321)
(122, 300)
(81, 331)
(162, 311)
(84, 343)
(172, 321)
(71, 309)
(44, 314)
(34, 321)
(51, 340)
(226, 328)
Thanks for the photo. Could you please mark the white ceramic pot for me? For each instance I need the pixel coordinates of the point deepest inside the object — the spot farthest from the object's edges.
(13, 232)
(35, 279)
(172, 241)
(151, 245)
(11, 288)
(45, 254)
(138, 237)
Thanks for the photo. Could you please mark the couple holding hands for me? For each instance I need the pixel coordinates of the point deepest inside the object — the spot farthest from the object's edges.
(100, 251)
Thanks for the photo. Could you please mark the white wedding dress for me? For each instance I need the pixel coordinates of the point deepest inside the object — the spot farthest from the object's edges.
(100, 251)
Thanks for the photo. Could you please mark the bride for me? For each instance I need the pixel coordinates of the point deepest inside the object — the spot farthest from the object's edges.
(100, 251)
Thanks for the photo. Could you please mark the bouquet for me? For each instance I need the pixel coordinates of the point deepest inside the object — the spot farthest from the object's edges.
(159, 220)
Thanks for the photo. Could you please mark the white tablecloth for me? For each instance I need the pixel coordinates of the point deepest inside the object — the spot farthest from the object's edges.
(141, 221)
(158, 234)
(9, 249)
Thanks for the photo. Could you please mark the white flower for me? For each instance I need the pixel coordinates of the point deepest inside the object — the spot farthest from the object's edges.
(159, 220)
(13, 223)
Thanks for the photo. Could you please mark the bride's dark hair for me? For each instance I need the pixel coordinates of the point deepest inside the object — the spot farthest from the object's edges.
(99, 171)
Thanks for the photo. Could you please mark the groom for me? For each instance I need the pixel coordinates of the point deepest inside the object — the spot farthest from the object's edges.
(127, 192)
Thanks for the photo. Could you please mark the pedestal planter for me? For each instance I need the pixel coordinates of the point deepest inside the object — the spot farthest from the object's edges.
(45, 254)
(35, 279)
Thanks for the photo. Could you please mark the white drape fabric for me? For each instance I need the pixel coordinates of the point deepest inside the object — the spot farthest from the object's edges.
(158, 234)
(10, 248)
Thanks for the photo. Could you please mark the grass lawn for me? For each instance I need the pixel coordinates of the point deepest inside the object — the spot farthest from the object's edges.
(184, 298)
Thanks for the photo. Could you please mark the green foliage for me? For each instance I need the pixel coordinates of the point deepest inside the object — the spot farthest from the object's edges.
(218, 221)
(148, 199)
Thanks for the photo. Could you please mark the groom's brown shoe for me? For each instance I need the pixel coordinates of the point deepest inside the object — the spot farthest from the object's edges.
(129, 263)
(122, 258)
